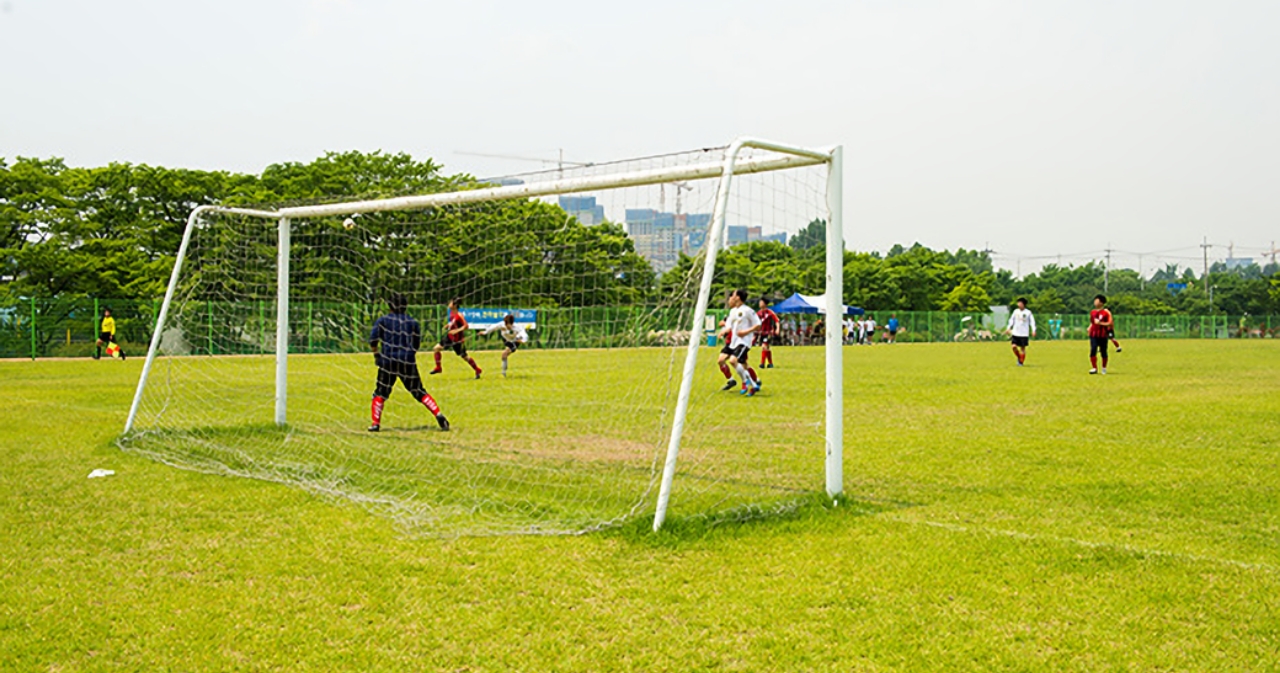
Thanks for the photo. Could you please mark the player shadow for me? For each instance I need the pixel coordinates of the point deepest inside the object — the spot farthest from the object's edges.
(804, 514)
(408, 429)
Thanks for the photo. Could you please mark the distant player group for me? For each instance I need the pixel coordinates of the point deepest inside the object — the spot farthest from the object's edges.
(396, 338)
(1102, 331)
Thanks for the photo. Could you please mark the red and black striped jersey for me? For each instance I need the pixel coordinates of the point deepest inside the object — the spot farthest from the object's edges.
(768, 322)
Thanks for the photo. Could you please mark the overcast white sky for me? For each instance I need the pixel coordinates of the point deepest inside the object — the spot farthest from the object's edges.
(1038, 128)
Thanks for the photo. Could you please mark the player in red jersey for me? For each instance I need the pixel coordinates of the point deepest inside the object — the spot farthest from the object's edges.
(1100, 323)
(455, 338)
(768, 332)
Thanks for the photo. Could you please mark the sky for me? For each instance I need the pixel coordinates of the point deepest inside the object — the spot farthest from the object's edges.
(1043, 131)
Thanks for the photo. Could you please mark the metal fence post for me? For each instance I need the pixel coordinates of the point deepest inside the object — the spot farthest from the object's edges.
(33, 328)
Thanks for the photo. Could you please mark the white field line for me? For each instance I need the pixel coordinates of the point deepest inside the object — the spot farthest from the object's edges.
(1089, 544)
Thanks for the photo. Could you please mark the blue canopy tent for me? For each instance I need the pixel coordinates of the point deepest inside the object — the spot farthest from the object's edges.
(800, 303)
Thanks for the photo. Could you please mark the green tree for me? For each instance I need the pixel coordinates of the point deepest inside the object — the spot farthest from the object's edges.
(969, 295)
(813, 235)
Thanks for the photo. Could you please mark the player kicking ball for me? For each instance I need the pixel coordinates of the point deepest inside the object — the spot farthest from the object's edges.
(455, 338)
(512, 336)
(1100, 324)
(739, 332)
(395, 340)
(1022, 326)
(768, 332)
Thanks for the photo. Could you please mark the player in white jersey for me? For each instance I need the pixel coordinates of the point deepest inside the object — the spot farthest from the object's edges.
(1022, 326)
(739, 334)
(512, 336)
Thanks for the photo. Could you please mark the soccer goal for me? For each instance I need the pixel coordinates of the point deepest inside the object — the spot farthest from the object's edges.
(611, 408)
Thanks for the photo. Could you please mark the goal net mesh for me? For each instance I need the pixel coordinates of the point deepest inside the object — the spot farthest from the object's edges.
(573, 437)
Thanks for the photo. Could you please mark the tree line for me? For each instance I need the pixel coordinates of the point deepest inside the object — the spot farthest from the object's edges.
(918, 278)
(113, 231)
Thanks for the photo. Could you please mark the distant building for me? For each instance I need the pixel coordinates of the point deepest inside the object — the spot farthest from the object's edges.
(780, 237)
(584, 208)
(1234, 263)
(661, 237)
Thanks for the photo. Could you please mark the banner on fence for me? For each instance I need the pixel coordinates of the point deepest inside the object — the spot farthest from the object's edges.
(484, 318)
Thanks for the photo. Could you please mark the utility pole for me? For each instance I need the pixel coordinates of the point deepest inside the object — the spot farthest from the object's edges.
(1106, 273)
(1142, 280)
(1205, 247)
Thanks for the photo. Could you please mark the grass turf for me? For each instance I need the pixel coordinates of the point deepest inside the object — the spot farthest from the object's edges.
(996, 518)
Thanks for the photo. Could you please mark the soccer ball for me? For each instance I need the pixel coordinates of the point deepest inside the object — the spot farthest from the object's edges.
(349, 223)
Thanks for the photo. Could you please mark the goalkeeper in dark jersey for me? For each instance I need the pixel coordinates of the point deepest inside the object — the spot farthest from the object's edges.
(395, 341)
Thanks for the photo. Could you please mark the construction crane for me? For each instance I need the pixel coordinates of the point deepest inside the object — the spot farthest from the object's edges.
(559, 162)
(662, 195)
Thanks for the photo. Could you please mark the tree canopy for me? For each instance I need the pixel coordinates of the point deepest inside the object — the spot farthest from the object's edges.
(112, 231)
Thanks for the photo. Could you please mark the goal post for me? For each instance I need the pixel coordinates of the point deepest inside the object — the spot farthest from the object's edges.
(203, 433)
(835, 302)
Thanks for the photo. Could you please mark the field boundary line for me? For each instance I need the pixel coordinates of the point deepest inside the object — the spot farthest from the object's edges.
(1088, 544)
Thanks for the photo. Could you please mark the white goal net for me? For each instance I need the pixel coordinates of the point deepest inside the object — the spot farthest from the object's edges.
(599, 268)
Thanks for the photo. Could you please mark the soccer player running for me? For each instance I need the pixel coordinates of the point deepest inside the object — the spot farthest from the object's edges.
(739, 332)
(107, 336)
(1100, 323)
(1022, 326)
(893, 328)
(512, 336)
(395, 340)
(768, 332)
(455, 338)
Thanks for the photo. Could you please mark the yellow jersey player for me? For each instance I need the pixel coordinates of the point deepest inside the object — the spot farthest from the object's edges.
(107, 337)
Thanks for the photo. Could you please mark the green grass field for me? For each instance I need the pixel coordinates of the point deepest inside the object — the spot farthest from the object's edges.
(996, 518)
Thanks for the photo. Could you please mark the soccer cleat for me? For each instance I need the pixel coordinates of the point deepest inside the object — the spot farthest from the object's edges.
(444, 422)
(745, 390)
(375, 428)
(1118, 349)
(1104, 370)
(728, 385)
(477, 373)
(1019, 363)
(1093, 371)
(435, 371)
(752, 390)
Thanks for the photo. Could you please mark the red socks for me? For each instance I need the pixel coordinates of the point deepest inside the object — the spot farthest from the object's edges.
(430, 403)
(1093, 360)
(752, 372)
(472, 362)
(376, 410)
(437, 361)
(724, 369)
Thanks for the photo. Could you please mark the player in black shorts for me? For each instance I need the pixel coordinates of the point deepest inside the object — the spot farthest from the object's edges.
(395, 340)
(455, 339)
(512, 336)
